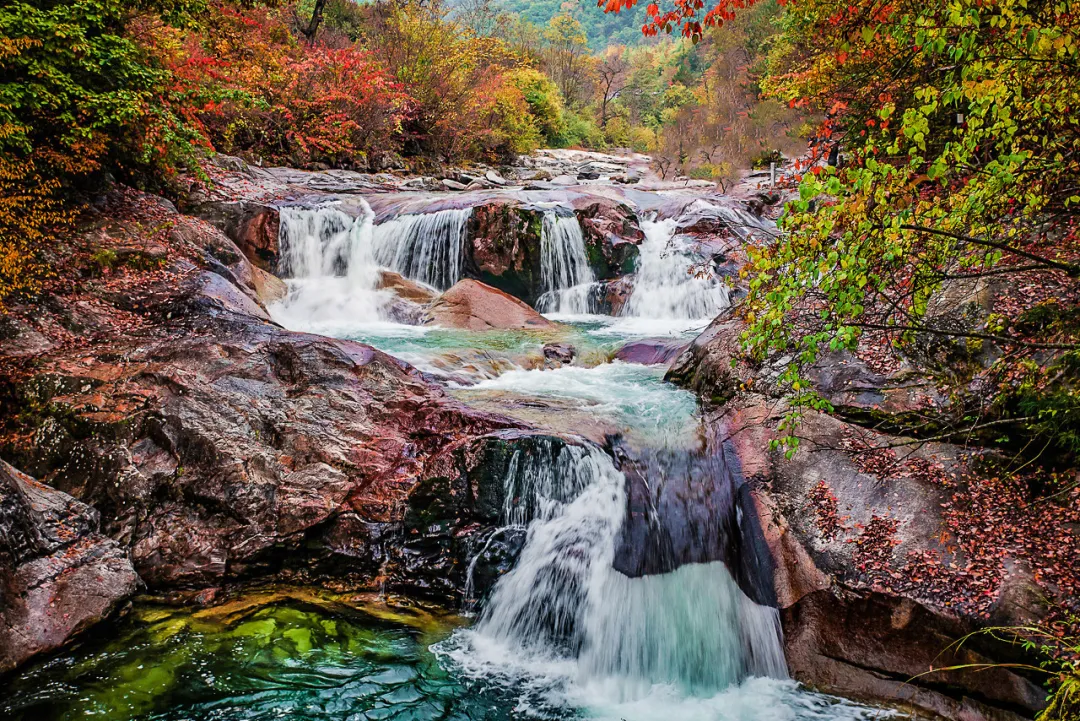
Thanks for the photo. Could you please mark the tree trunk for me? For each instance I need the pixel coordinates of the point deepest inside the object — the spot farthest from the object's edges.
(316, 19)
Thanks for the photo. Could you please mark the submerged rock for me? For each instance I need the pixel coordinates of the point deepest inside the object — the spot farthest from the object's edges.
(58, 574)
(472, 305)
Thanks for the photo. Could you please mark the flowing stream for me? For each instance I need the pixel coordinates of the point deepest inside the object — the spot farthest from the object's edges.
(564, 266)
(563, 634)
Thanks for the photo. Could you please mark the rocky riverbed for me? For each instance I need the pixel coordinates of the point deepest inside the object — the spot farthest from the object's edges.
(339, 380)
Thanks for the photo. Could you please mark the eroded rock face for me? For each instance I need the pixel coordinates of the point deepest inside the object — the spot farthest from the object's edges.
(253, 226)
(870, 586)
(870, 646)
(472, 305)
(58, 575)
(687, 507)
(612, 236)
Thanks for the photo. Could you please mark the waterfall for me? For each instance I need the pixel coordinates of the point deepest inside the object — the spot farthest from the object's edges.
(327, 259)
(427, 247)
(669, 284)
(565, 274)
(564, 610)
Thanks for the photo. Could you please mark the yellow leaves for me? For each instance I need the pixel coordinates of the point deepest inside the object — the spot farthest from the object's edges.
(29, 212)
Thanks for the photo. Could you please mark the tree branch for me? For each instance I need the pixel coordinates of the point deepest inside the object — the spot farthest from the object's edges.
(1070, 269)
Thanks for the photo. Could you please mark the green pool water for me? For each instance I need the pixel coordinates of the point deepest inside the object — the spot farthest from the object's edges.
(297, 654)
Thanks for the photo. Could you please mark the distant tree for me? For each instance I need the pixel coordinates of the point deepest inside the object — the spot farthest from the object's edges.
(316, 19)
(612, 74)
(567, 56)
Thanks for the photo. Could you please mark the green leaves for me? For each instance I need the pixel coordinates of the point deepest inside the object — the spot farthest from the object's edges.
(958, 126)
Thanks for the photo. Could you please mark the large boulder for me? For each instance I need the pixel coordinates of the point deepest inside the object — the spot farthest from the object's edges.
(253, 226)
(612, 235)
(506, 237)
(58, 574)
(472, 305)
(872, 587)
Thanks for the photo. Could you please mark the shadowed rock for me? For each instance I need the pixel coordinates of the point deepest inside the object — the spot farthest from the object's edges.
(687, 508)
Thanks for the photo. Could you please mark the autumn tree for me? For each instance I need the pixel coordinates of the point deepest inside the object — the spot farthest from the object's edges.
(567, 57)
(78, 96)
(611, 74)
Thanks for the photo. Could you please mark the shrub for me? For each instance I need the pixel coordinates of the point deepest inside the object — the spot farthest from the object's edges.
(642, 140)
(580, 132)
(255, 91)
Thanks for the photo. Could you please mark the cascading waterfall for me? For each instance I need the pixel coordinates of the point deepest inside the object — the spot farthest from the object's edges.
(327, 259)
(565, 274)
(427, 247)
(672, 281)
(668, 283)
(564, 606)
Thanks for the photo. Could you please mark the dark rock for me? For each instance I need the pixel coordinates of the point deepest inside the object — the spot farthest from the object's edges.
(612, 235)
(685, 507)
(588, 176)
(58, 575)
(559, 354)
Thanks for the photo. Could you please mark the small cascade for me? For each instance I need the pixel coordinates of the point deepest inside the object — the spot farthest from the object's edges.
(327, 259)
(670, 282)
(428, 247)
(564, 603)
(567, 278)
(324, 242)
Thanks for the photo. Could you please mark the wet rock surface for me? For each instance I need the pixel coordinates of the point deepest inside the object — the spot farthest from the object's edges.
(651, 351)
(219, 448)
(58, 574)
(687, 507)
(472, 305)
(865, 575)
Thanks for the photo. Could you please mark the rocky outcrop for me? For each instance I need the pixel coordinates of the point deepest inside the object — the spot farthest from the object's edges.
(506, 241)
(253, 226)
(876, 573)
(219, 448)
(612, 235)
(504, 230)
(472, 305)
(875, 646)
(58, 574)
